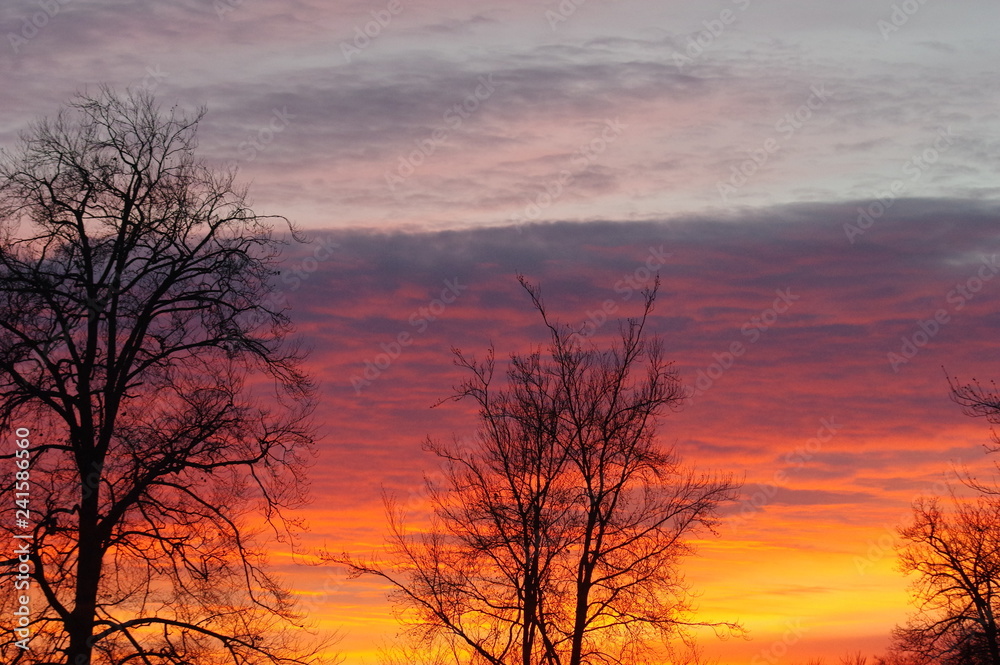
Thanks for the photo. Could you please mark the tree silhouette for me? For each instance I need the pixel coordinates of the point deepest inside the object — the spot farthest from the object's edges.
(167, 412)
(557, 539)
(957, 560)
(979, 401)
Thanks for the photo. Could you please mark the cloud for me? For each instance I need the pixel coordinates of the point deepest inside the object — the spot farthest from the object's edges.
(370, 139)
(826, 357)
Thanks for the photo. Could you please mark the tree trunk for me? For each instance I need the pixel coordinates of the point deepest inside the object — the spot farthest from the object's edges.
(580, 615)
(992, 644)
(585, 575)
(80, 626)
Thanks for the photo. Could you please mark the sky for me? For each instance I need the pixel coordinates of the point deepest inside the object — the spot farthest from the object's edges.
(815, 181)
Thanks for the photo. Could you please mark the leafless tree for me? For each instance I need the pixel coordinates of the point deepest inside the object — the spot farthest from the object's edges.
(557, 539)
(895, 656)
(956, 559)
(892, 657)
(957, 562)
(979, 401)
(167, 411)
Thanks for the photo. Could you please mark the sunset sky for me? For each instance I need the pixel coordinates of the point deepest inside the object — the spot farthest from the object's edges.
(815, 180)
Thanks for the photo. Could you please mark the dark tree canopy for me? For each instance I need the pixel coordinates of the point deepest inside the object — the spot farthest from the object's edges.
(168, 411)
(557, 539)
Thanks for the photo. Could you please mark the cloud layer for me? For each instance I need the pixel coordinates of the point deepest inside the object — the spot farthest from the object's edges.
(388, 121)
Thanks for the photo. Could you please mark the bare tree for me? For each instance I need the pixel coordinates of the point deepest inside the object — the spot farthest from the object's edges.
(979, 401)
(892, 657)
(165, 410)
(557, 539)
(957, 591)
(957, 560)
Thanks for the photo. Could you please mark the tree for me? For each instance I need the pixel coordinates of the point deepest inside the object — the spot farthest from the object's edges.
(957, 560)
(979, 401)
(557, 539)
(154, 382)
(957, 591)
